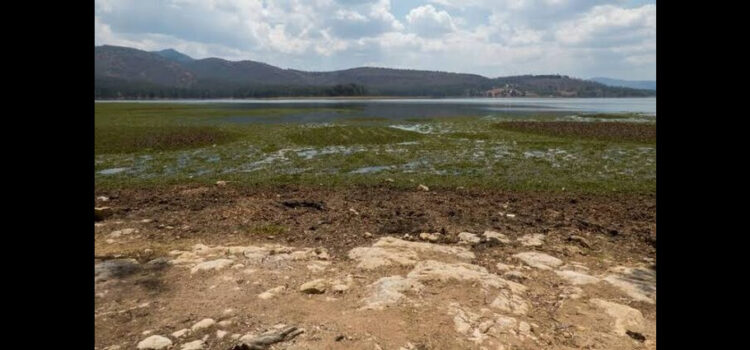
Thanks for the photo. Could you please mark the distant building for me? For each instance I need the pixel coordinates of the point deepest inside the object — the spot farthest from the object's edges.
(507, 91)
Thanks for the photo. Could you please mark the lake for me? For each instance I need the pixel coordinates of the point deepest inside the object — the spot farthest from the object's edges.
(398, 109)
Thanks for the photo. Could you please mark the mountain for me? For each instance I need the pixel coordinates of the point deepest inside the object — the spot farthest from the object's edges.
(174, 55)
(121, 72)
(634, 84)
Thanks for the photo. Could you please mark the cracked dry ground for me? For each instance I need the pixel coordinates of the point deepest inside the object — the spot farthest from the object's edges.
(216, 267)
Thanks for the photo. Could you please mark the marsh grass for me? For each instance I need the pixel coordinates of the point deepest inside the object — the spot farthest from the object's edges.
(351, 135)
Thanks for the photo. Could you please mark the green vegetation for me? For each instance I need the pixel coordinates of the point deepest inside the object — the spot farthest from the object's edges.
(146, 145)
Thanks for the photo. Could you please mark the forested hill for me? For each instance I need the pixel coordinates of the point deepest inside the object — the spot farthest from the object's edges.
(121, 72)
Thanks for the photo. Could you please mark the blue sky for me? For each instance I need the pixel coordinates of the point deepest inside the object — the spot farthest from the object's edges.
(584, 38)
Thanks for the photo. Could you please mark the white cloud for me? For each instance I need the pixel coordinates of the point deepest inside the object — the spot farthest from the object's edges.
(427, 21)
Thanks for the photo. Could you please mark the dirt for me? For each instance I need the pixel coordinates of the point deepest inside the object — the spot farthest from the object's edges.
(314, 229)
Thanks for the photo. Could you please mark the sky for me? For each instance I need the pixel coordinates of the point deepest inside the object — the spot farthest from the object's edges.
(583, 38)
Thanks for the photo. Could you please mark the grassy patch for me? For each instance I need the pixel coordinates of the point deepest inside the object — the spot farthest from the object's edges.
(351, 135)
(619, 132)
(158, 138)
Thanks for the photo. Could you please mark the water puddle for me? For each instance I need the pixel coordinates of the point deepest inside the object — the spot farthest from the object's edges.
(111, 171)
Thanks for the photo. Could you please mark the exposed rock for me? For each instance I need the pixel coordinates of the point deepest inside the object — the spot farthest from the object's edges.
(368, 234)
(193, 345)
(431, 270)
(340, 288)
(432, 237)
(539, 260)
(502, 267)
(389, 290)
(154, 342)
(225, 323)
(509, 302)
(125, 231)
(101, 213)
(216, 265)
(221, 183)
(468, 238)
(115, 268)
(314, 287)
(532, 240)
(625, 317)
(221, 334)
(264, 340)
(638, 283)
(580, 240)
(271, 292)
(496, 235)
(423, 187)
(203, 324)
(393, 251)
(180, 333)
(516, 276)
(571, 292)
(577, 278)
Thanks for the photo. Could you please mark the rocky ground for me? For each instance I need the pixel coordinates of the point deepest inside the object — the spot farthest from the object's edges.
(220, 267)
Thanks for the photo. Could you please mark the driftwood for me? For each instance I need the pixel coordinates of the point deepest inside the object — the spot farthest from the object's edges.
(264, 340)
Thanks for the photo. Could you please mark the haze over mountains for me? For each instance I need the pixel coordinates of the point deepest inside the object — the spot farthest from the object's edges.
(121, 72)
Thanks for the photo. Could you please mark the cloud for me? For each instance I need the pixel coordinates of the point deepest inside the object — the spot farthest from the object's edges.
(427, 21)
(582, 38)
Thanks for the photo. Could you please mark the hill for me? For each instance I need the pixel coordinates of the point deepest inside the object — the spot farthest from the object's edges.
(121, 72)
(634, 84)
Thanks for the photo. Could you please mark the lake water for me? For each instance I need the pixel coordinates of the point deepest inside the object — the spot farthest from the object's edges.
(397, 109)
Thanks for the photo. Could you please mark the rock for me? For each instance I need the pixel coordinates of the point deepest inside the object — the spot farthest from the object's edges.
(225, 323)
(221, 183)
(221, 334)
(431, 270)
(532, 240)
(193, 345)
(125, 231)
(510, 215)
(390, 180)
(101, 213)
(314, 287)
(502, 267)
(102, 198)
(580, 240)
(423, 187)
(340, 288)
(432, 237)
(539, 260)
(155, 342)
(388, 291)
(216, 265)
(354, 211)
(638, 283)
(516, 276)
(115, 268)
(496, 235)
(625, 317)
(577, 278)
(180, 333)
(393, 251)
(468, 238)
(203, 324)
(509, 302)
(263, 341)
(368, 234)
(271, 292)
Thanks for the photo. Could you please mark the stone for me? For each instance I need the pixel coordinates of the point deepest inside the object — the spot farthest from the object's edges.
(221, 183)
(203, 324)
(516, 276)
(509, 302)
(180, 333)
(532, 240)
(215, 265)
(388, 291)
(431, 270)
(432, 237)
(154, 342)
(340, 288)
(637, 283)
(503, 267)
(115, 268)
(193, 345)
(393, 251)
(221, 334)
(580, 240)
(102, 198)
(101, 213)
(577, 278)
(368, 234)
(539, 260)
(317, 286)
(271, 293)
(225, 323)
(468, 238)
(496, 235)
(423, 188)
(125, 231)
(625, 317)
